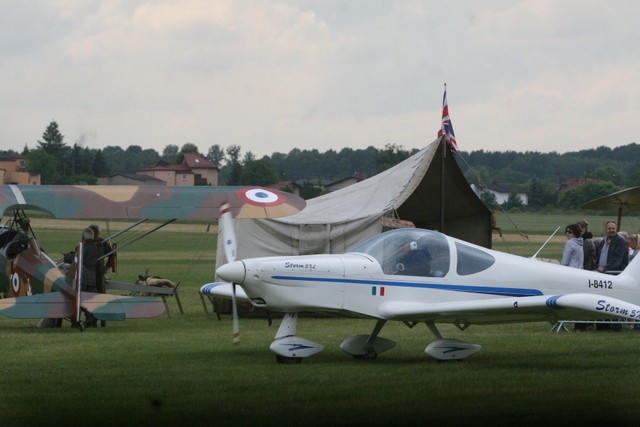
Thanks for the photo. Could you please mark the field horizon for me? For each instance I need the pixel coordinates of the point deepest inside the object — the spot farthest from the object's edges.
(184, 369)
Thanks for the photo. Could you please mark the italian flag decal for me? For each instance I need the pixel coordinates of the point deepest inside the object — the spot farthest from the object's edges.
(375, 290)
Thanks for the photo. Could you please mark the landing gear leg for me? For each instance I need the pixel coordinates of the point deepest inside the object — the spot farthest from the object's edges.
(369, 351)
(290, 348)
(434, 329)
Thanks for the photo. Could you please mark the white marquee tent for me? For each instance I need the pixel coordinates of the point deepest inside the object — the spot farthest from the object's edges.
(427, 189)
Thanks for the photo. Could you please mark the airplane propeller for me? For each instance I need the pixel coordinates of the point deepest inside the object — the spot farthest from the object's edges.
(230, 251)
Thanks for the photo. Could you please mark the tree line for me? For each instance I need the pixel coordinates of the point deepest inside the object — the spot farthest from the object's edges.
(540, 175)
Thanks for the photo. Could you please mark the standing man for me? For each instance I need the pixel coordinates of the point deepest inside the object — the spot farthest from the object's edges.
(589, 246)
(612, 251)
(102, 248)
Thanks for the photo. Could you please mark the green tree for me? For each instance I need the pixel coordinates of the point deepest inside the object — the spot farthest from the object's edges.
(310, 190)
(53, 144)
(478, 175)
(189, 147)
(608, 173)
(541, 193)
(258, 172)
(53, 141)
(248, 157)
(99, 166)
(390, 156)
(216, 155)
(45, 164)
(489, 199)
(235, 173)
(575, 197)
(186, 148)
(513, 201)
(170, 153)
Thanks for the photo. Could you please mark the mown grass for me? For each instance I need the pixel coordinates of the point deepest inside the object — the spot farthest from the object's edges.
(184, 370)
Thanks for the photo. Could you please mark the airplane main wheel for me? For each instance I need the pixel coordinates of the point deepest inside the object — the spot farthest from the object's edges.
(283, 360)
(369, 355)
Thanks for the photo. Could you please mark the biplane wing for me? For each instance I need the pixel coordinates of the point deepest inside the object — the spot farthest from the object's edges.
(36, 285)
(151, 202)
(102, 306)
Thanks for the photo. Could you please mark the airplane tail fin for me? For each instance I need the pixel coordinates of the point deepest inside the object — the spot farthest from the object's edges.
(633, 269)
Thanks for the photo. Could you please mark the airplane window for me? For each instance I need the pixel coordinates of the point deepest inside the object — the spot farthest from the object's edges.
(472, 260)
(409, 252)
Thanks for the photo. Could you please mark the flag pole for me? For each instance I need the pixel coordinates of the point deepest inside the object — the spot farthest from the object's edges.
(442, 166)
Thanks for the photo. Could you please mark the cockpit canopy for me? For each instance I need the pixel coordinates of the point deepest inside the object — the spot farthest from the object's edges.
(420, 252)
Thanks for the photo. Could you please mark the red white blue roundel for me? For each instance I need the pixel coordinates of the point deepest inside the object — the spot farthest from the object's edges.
(259, 196)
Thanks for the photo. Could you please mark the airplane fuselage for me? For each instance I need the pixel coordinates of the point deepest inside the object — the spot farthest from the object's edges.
(355, 283)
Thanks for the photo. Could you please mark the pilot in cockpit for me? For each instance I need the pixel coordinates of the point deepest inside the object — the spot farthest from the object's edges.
(414, 260)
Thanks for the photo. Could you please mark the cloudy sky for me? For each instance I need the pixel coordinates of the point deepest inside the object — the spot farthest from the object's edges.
(530, 75)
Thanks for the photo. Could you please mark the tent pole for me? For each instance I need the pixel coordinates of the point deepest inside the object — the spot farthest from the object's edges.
(620, 217)
(444, 153)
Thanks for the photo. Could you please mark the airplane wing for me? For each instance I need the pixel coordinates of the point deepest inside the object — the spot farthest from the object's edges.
(150, 201)
(223, 290)
(117, 307)
(49, 305)
(103, 306)
(551, 308)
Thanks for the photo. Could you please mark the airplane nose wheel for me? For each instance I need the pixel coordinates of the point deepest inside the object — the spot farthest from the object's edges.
(283, 360)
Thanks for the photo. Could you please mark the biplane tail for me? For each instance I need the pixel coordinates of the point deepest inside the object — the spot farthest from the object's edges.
(117, 307)
(102, 306)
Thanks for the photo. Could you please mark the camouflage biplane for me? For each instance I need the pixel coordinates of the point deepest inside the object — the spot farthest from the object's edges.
(35, 287)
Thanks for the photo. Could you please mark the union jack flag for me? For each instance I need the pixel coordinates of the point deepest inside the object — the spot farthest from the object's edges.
(446, 128)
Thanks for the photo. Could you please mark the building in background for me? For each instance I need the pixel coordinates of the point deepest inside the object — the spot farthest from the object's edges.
(501, 192)
(194, 170)
(13, 170)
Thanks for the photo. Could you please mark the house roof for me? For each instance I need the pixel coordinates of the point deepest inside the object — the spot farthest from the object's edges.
(7, 156)
(282, 184)
(502, 188)
(141, 178)
(182, 168)
(196, 161)
(574, 182)
(356, 176)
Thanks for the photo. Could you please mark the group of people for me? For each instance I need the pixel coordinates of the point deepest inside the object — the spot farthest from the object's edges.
(609, 254)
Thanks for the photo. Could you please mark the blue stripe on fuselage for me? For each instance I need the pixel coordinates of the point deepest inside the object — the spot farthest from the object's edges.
(488, 290)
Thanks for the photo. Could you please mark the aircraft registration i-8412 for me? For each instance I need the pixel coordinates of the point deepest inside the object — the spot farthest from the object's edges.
(423, 276)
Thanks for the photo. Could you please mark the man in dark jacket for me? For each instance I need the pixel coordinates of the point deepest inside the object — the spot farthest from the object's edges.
(612, 251)
(589, 246)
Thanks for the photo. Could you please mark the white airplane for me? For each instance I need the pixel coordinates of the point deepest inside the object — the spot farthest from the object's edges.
(423, 276)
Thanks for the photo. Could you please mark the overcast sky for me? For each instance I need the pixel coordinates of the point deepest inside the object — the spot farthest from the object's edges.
(532, 75)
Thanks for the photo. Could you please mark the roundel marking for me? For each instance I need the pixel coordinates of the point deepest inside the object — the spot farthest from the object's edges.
(15, 283)
(259, 196)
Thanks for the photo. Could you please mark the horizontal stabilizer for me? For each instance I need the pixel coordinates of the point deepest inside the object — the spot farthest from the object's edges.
(42, 306)
(224, 290)
(116, 307)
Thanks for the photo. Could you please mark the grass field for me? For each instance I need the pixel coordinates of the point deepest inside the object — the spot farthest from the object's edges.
(184, 370)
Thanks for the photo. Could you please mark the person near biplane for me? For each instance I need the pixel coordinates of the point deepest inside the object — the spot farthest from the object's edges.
(102, 266)
(102, 247)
